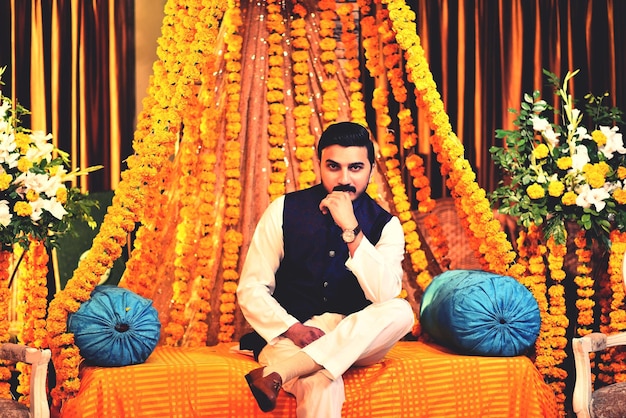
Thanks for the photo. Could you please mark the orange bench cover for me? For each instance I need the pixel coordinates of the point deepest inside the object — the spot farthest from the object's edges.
(414, 380)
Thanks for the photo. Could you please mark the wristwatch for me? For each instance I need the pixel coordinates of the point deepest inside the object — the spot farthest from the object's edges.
(349, 235)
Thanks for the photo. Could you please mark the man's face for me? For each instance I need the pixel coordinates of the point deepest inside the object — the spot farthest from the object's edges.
(345, 168)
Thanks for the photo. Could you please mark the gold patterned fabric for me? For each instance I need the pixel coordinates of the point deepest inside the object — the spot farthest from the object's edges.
(414, 380)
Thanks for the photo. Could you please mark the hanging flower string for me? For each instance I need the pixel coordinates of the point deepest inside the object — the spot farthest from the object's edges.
(156, 137)
(558, 315)
(438, 242)
(205, 222)
(532, 249)
(488, 238)
(5, 299)
(408, 139)
(585, 284)
(305, 141)
(389, 152)
(351, 67)
(149, 165)
(328, 57)
(233, 239)
(275, 98)
(32, 307)
(188, 156)
(613, 364)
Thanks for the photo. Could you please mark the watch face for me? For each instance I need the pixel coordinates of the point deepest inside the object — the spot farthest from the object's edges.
(348, 236)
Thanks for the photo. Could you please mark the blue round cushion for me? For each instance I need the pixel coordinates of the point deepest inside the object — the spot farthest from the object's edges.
(115, 327)
(480, 313)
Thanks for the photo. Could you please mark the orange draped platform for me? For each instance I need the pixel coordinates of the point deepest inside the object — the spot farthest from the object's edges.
(414, 380)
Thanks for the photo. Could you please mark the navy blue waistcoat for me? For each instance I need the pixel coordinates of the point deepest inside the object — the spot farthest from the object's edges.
(312, 277)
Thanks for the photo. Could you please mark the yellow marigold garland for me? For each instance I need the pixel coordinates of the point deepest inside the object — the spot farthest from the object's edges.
(328, 57)
(584, 303)
(492, 241)
(5, 300)
(548, 352)
(613, 366)
(352, 66)
(32, 307)
(389, 152)
(188, 159)
(275, 98)
(558, 315)
(408, 138)
(185, 260)
(438, 241)
(305, 141)
(199, 305)
(233, 239)
(149, 165)
(156, 137)
(201, 286)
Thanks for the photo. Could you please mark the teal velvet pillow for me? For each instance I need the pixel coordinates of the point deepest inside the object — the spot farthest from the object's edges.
(115, 327)
(480, 313)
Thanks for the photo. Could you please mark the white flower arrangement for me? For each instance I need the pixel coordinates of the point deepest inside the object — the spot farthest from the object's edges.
(34, 198)
(558, 173)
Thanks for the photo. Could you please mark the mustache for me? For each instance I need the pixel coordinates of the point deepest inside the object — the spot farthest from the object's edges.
(344, 188)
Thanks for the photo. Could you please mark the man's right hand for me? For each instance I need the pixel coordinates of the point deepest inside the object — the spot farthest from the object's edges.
(303, 335)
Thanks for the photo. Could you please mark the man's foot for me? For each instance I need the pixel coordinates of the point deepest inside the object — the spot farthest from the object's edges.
(265, 389)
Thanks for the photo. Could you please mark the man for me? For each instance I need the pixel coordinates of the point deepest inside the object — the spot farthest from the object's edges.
(321, 280)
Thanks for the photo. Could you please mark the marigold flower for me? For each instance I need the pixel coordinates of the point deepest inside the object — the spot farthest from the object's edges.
(535, 191)
(541, 151)
(569, 198)
(599, 137)
(564, 163)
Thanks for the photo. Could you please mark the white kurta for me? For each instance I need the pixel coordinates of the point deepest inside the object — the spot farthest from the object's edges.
(360, 338)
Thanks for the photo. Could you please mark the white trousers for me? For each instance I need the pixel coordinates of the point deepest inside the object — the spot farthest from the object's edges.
(362, 338)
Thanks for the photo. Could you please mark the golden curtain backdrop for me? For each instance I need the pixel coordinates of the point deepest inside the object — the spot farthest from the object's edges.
(71, 64)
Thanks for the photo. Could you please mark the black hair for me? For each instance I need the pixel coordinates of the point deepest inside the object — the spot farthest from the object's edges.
(346, 134)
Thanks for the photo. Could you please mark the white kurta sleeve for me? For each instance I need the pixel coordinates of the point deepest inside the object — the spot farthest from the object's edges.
(257, 281)
(378, 268)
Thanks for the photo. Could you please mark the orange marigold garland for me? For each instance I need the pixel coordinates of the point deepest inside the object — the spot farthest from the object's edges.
(149, 165)
(6, 256)
(198, 306)
(613, 365)
(491, 242)
(275, 99)
(558, 317)
(32, 307)
(389, 151)
(438, 241)
(185, 260)
(352, 65)
(200, 38)
(233, 239)
(305, 141)
(584, 303)
(328, 57)
(207, 222)
(408, 138)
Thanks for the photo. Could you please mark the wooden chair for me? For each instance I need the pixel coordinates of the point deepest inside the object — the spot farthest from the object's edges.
(605, 402)
(39, 360)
